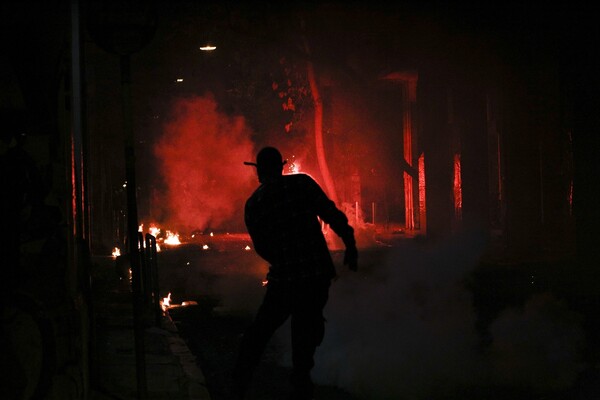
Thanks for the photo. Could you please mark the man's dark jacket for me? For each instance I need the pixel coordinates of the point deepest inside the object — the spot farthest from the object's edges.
(283, 217)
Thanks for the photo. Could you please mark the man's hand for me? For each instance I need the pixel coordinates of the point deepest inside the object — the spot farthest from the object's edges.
(351, 258)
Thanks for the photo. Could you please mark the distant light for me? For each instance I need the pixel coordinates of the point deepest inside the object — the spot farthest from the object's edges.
(208, 47)
(179, 79)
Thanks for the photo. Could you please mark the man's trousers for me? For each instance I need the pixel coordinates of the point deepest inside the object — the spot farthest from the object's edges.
(303, 301)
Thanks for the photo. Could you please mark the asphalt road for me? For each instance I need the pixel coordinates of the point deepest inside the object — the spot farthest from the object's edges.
(224, 283)
(413, 323)
(214, 338)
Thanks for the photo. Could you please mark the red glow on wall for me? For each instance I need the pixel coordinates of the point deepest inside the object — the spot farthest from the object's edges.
(422, 205)
(409, 215)
(457, 187)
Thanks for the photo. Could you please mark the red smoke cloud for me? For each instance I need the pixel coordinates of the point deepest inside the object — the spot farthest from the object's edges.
(200, 154)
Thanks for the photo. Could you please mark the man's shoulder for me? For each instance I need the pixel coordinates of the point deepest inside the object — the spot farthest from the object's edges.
(300, 179)
(256, 194)
(287, 182)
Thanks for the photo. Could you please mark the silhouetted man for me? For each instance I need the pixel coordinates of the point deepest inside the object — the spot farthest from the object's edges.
(282, 218)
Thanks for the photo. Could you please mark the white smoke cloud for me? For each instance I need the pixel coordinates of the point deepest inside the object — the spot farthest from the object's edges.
(536, 346)
(404, 328)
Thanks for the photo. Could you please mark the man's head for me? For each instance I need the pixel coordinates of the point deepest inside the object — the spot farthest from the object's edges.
(269, 163)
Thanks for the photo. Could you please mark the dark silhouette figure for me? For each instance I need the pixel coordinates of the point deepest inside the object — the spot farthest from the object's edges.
(282, 218)
(20, 203)
(24, 219)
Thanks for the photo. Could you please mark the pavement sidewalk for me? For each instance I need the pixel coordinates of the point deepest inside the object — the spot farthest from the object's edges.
(171, 370)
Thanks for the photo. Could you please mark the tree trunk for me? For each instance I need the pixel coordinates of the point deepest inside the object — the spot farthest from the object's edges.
(318, 121)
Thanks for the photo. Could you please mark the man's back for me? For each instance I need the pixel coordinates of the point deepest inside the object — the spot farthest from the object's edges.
(282, 217)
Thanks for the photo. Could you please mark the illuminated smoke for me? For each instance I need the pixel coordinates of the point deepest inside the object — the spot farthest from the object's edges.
(404, 328)
(415, 336)
(201, 153)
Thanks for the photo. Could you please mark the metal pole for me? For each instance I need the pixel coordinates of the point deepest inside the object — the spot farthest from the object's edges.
(132, 229)
(80, 212)
(153, 270)
(145, 273)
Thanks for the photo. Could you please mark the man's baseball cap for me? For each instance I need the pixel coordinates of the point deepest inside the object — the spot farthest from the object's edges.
(268, 157)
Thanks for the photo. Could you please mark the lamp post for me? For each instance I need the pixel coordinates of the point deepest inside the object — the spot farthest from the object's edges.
(124, 28)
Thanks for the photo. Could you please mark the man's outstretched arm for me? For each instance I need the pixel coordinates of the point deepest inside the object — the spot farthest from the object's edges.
(338, 221)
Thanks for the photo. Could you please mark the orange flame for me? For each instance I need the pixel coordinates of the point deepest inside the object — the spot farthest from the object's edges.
(166, 302)
(154, 230)
(172, 239)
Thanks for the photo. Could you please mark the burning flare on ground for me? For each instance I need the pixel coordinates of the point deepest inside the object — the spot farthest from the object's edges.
(166, 302)
(154, 230)
(172, 239)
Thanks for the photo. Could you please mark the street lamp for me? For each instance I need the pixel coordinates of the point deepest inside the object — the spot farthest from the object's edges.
(208, 47)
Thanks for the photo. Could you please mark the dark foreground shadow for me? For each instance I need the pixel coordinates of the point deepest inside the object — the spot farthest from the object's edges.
(213, 337)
